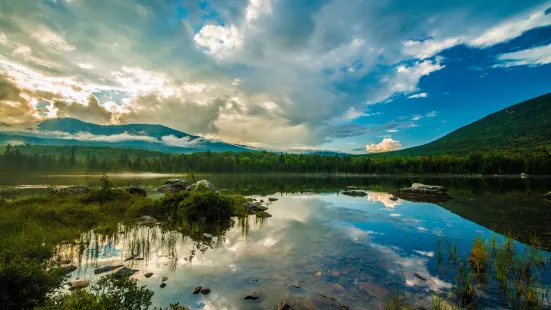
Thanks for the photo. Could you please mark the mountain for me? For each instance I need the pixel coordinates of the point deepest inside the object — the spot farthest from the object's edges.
(523, 125)
(70, 131)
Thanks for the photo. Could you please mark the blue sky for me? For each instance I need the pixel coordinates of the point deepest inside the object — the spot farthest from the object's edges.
(347, 75)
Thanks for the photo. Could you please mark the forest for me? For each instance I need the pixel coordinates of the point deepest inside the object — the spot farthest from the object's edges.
(76, 159)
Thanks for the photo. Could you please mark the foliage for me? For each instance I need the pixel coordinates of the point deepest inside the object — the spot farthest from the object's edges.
(479, 256)
(109, 293)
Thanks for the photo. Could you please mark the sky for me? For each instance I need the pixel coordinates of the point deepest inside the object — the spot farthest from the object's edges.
(353, 76)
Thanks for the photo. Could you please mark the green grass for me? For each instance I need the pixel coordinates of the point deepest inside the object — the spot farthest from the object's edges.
(479, 256)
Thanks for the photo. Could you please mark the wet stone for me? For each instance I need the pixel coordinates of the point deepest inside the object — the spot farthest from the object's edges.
(163, 285)
(205, 291)
(197, 290)
(252, 296)
(284, 306)
(164, 278)
(148, 275)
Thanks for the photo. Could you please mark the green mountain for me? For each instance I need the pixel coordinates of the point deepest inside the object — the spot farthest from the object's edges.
(521, 126)
(70, 131)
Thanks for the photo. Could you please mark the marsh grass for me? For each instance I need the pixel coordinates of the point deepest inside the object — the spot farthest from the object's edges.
(396, 302)
(479, 256)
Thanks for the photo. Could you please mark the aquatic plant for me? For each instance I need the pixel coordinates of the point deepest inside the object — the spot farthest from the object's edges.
(394, 301)
(479, 256)
(437, 302)
(466, 284)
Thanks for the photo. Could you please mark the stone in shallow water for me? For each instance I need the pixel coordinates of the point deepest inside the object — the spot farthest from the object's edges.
(284, 306)
(263, 215)
(163, 285)
(209, 236)
(205, 291)
(355, 193)
(272, 199)
(124, 272)
(201, 184)
(68, 269)
(148, 275)
(164, 278)
(106, 269)
(78, 284)
(252, 296)
(197, 290)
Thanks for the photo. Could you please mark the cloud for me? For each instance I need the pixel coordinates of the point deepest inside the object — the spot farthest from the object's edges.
(386, 145)
(416, 117)
(419, 95)
(431, 114)
(428, 48)
(172, 140)
(93, 111)
(536, 56)
(219, 41)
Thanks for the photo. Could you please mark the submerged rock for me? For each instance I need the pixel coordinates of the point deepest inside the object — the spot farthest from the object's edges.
(253, 207)
(201, 184)
(78, 284)
(136, 191)
(197, 290)
(393, 198)
(263, 215)
(105, 269)
(424, 193)
(205, 291)
(148, 275)
(162, 285)
(272, 199)
(252, 296)
(68, 269)
(164, 278)
(71, 190)
(284, 306)
(124, 272)
(173, 186)
(355, 193)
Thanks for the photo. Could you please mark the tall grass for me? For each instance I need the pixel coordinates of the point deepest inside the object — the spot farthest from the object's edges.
(479, 256)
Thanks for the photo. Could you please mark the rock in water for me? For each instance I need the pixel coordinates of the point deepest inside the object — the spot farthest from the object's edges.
(197, 290)
(106, 269)
(263, 215)
(205, 291)
(71, 190)
(350, 188)
(354, 193)
(252, 296)
(253, 207)
(423, 193)
(393, 198)
(163, 285)
(148, 275)
(164, 278)
(201, 184)
(78, 284)
(173, 186)
(68, 269)
(124, 272)
(208, 236)
(146, 219)
(272, 199)
(284, 306)
(418, 276)
(136, 191)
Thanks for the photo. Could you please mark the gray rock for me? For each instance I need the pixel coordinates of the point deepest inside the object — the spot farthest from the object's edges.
(351, 188)
(68, 269)
(428, 188)
(106, 269)
(162, 285)
(284, 306)
(71, 190)
(355, 193)
(272, 199)
(173, 186)
(252, 296)
(423, 193)
(209, 236)
(254, 207)
(148, 275)
(136, 191)
(393, 198)
(78, 284)
(197, 290)
(263, 214)
(124, 272)
(146, 219)
(201, 184)
(205, 291)
(164, 278)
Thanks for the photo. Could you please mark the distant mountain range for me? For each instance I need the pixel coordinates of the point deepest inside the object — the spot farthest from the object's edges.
(523, 125)
(70, 131)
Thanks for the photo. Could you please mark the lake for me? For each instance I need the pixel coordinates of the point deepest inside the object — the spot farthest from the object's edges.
(321, 249)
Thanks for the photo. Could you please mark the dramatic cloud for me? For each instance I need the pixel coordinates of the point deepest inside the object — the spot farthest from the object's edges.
(388, 144)
(536, 56)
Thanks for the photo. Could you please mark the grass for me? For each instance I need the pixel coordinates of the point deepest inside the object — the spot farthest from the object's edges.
(479, 256)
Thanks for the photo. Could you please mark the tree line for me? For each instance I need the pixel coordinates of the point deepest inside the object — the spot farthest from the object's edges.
(530, 161)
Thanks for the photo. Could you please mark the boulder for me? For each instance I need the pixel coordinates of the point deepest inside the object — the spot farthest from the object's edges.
(124, 272)
(272, 199)
(197, 290)
(423, 193)
(393, 198)
(284, 306)
(254, 207)
(78, 284)
(71, 190)
(148, 275)
(201, 184)
(355, 193)
(68, 269)
(164, 278)
(350, 188)
(263, 214)
(146, 219)
(136, 191)
(163, 285)
(105, 269)
(205, 291)
(208, 236)
(173, 186)
(252, 296)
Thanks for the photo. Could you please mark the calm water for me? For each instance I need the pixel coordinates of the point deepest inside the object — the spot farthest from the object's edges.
(354, 250)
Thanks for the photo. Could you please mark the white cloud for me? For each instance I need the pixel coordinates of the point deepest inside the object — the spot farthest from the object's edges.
(419, 95)
(3, 39)
(219, 41)
(416, 117)
(172, 140)
(428, 48)
(432, 114)
(256, 8)
(388, 144)
(392, 130)
(512, 28)
(52, 39)
(536, 56)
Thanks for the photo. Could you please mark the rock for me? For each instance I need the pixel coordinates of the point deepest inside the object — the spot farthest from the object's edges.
(173, 186)
(254, 207)
(71, 190)
(201, 184)
(393, 198)
(78, 284)
(163, 285)
(420, 276)
(284, 306)
(136, 191)
(146, 219)
(164, 278)
(124, 272)
(424, 193)
(263, 215)
(351, 188)
(209, 236)
(106, 269)
(548, 195)
(197, 290)
(148, 275)
(205, 291)
(252, 296)
(355, 193)
(130, 258)
(296, 285)
(68, 269)
(272, 199)
(341, 307)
